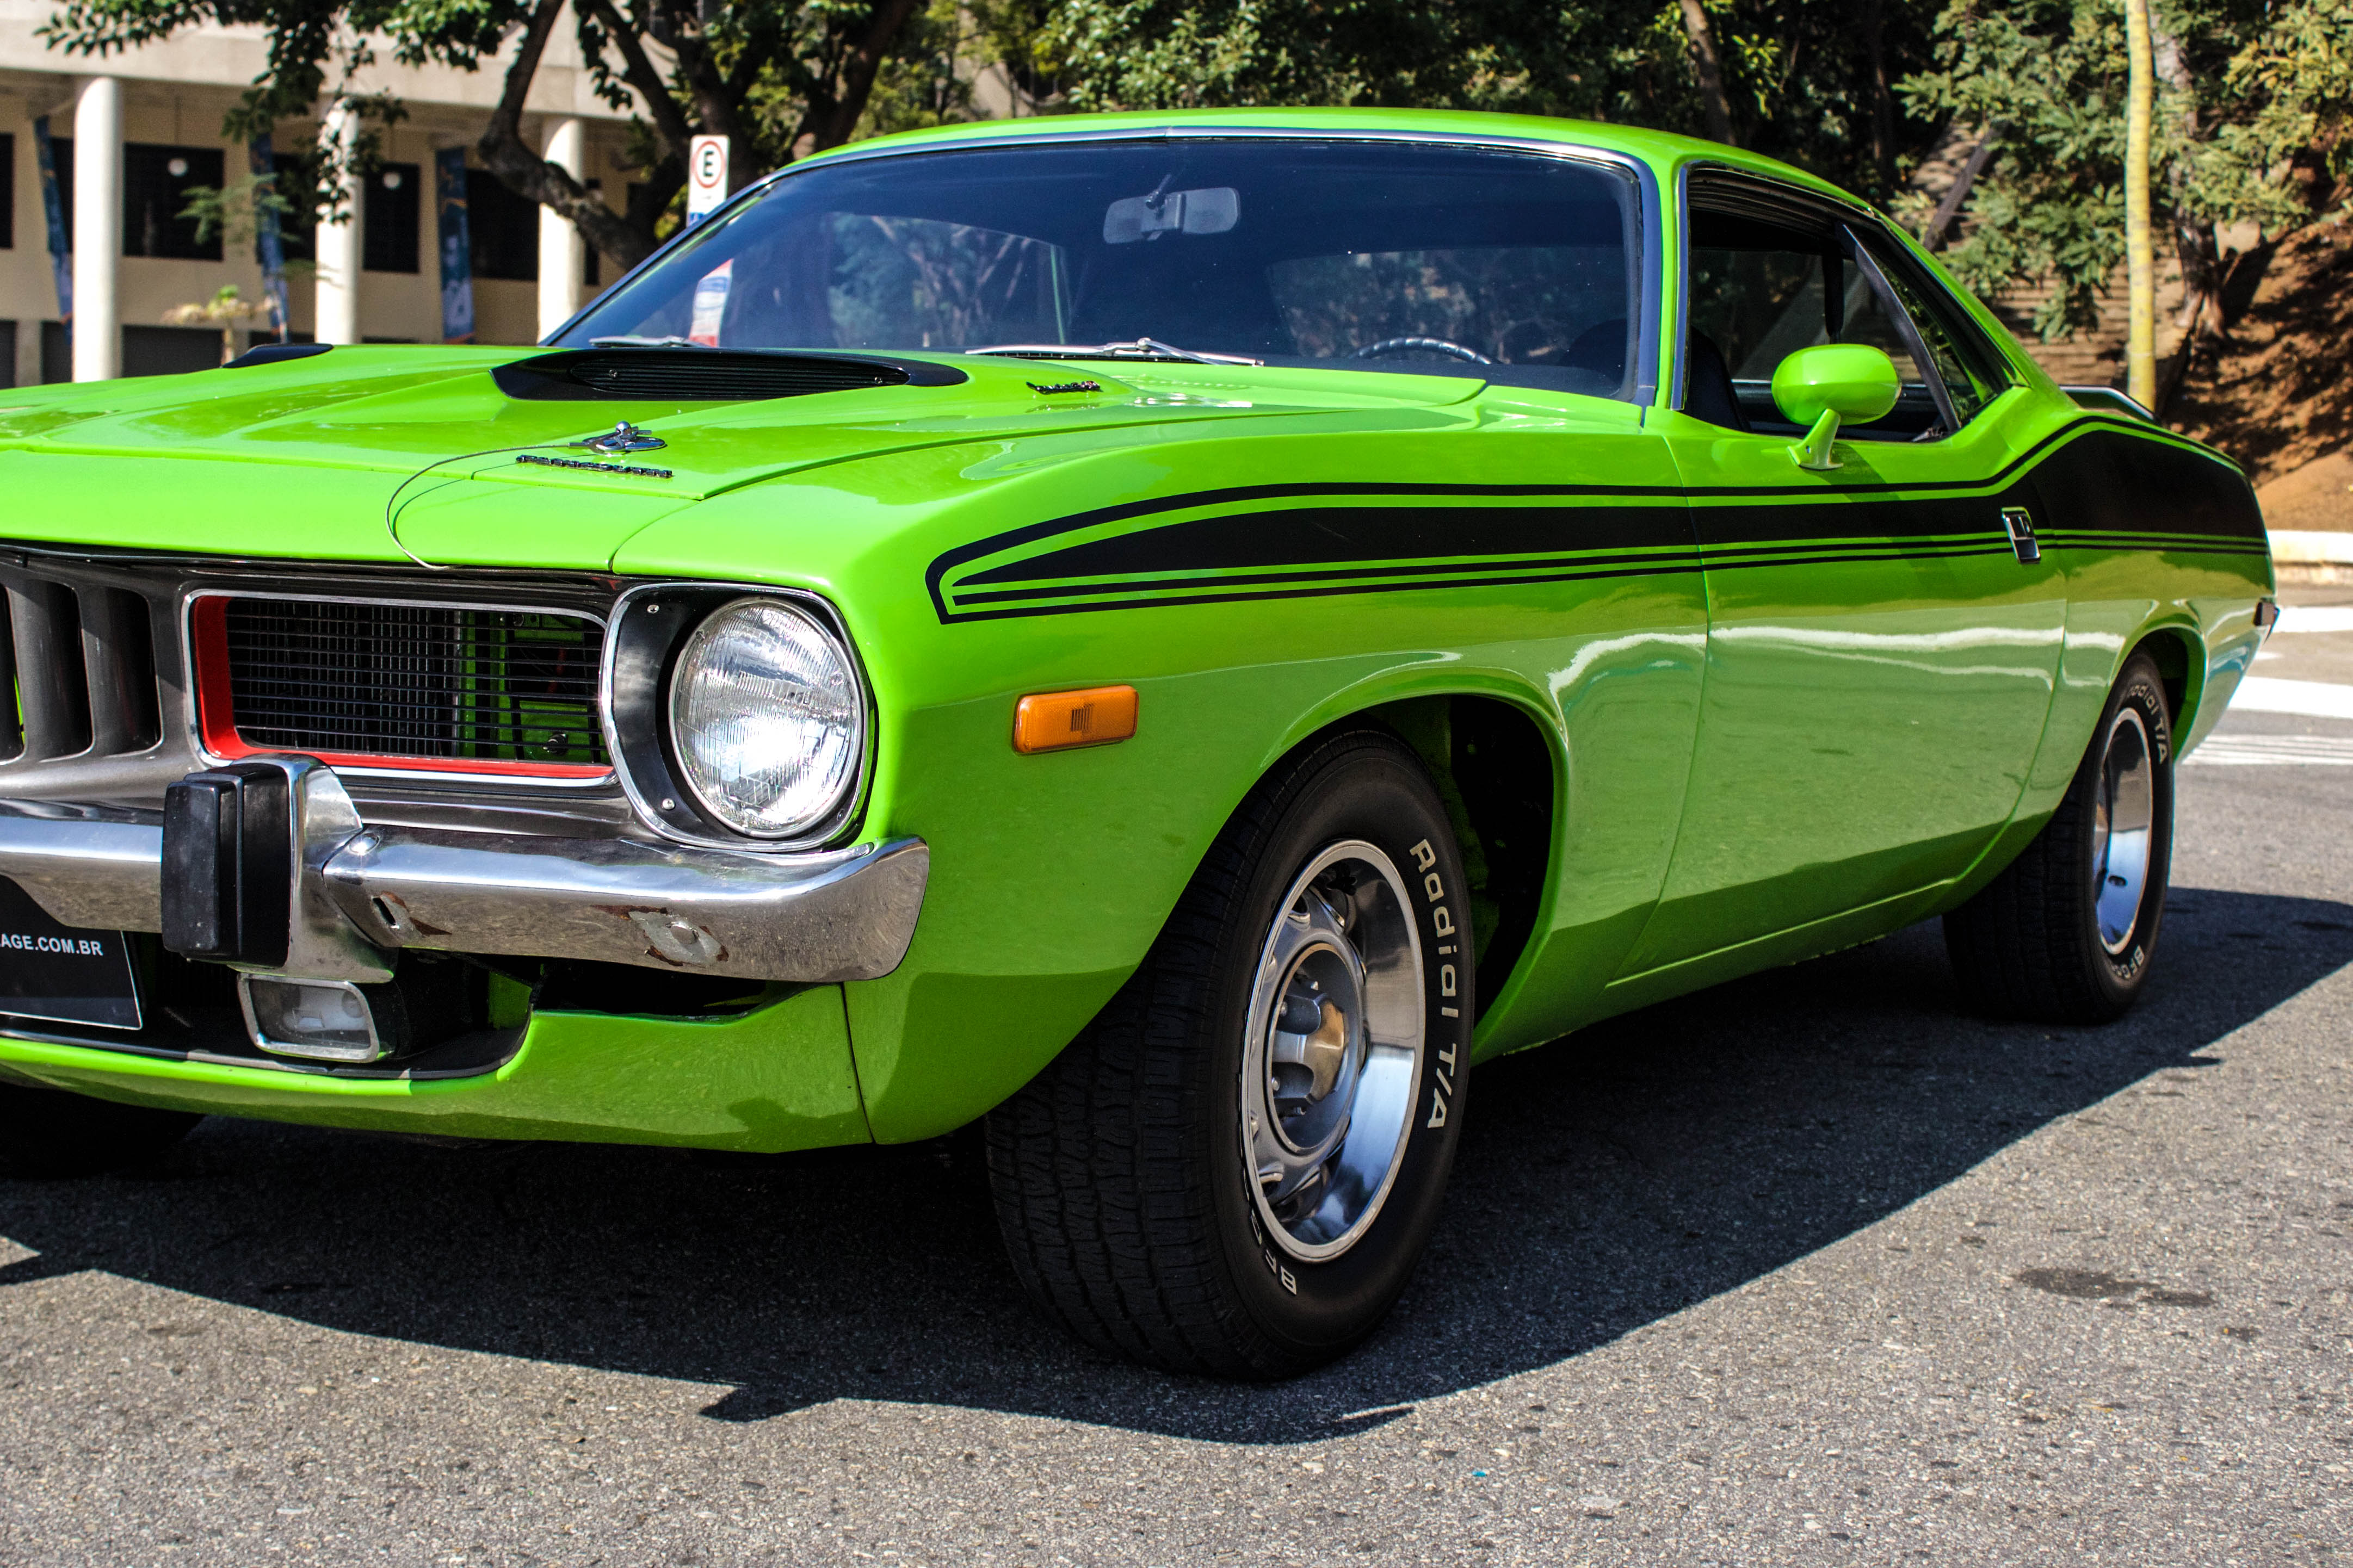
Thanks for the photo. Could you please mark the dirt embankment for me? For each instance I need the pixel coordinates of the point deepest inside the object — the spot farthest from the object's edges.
(2277, 395)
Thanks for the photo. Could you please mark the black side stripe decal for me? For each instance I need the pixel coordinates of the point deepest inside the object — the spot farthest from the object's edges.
(2114, 480)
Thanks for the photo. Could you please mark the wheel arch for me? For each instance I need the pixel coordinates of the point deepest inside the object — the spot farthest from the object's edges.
(1495, 759)
(2179, 654)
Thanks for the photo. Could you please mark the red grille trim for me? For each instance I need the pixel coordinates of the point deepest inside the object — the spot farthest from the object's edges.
(216, 716)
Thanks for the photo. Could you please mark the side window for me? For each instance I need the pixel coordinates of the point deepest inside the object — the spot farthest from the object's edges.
(1760, 290)
(1969, 367)
(1768, 275)
(1866, 318)
(1758, 294)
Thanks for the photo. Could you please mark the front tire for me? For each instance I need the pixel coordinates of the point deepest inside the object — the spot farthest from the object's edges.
(2065, 935)
(49, 1133)
(1235, 1168)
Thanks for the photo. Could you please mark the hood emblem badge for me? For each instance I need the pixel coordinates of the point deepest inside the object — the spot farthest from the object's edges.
(1055, 389)
(623, 437)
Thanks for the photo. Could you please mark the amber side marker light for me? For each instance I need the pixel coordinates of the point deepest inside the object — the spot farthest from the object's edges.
(1057, 720)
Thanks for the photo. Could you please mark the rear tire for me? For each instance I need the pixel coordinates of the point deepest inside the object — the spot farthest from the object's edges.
(50, 1133)
(1234, 1169)
(2065, 935)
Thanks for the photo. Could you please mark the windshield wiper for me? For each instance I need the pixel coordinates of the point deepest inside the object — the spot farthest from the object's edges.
(1142, 348)
(632, 340)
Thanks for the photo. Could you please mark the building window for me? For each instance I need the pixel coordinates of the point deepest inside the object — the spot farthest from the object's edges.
(297, 232)
(390, 203)
(505, 229)
(61, 152)
(169, 350)
(155, 185)
(8, 195)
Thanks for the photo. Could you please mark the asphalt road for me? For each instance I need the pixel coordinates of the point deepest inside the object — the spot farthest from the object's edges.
(1811, 1268)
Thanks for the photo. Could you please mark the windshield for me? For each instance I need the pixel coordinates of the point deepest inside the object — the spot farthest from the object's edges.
(1514, 267)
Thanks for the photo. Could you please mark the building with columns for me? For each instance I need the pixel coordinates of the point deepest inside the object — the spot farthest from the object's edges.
(128, 135)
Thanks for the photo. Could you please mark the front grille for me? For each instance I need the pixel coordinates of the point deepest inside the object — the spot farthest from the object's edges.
(508, 690)
(79, 657)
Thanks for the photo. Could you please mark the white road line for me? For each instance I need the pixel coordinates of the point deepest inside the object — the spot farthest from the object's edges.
(2273, 751)
(2312, 698)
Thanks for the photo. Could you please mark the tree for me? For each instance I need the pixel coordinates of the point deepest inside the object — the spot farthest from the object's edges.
(781, 79)
(1781, 77)
(2250, 104)
(1707, 69)
(2140, 267)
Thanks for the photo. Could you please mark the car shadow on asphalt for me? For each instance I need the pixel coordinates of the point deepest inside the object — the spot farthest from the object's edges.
(1604, 1183)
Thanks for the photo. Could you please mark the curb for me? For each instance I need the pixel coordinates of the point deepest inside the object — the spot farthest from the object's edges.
(2303, 547)
(2312, 555)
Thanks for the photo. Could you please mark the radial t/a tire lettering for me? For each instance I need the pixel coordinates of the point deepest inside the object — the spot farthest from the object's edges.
(1234, 1169)
(2066, 933)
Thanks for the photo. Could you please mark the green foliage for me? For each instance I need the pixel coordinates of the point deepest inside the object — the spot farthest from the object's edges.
(2255, 103)
(1802, 78)
(922, 83)
(780, 78)
(234, 212)
(2246, 92)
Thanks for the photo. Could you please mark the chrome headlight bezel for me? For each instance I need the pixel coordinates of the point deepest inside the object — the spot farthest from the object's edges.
(807, 768)
(650, 626)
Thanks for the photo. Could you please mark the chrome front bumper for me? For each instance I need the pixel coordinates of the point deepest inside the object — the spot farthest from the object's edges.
(365, 892)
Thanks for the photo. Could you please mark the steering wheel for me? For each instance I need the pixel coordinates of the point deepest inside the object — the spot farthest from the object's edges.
(1435, 345)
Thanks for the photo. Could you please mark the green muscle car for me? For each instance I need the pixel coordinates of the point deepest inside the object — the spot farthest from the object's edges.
(1172, 636)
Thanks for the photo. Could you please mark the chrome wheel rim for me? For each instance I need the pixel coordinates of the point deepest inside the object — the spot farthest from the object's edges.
(2124, 827)
(1333, 1051)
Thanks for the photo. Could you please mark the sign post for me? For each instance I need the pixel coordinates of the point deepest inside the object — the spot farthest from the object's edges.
(706, 177)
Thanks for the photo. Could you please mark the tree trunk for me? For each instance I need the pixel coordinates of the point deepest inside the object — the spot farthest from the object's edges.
(2194, 243)
(522, 171)
(1949, 210)
(2140, 267)
(1873, 24)
(1709, 68)
(832, 116)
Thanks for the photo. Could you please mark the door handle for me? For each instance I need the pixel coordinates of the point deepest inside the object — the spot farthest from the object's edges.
(2020, 523)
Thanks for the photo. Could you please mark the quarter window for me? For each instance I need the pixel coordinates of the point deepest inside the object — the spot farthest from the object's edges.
(1967, 372)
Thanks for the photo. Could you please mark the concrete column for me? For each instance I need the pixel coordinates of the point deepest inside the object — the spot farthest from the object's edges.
(337, 315)
(561, 254)
(28, 351)
(98, 227)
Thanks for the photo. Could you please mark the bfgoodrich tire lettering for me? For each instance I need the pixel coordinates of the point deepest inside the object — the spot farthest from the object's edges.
(1129, 1179)
(2066, 933)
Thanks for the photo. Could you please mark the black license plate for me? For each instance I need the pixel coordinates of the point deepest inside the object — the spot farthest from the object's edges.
(61, 975)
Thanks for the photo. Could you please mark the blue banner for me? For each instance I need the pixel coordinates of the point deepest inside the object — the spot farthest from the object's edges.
(268, 249)
(53, 203)
(456, 247)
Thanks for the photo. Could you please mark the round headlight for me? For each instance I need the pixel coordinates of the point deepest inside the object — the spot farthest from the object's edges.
(766, 717)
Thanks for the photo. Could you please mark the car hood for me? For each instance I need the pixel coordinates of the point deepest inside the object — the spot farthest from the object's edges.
(312, 458)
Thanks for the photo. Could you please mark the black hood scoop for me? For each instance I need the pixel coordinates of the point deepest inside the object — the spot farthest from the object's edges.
(706, 376)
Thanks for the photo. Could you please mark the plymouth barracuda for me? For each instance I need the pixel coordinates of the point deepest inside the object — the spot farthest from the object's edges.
(1172, 638)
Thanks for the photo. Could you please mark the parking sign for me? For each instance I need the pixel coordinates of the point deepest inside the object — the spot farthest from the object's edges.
(706, 177)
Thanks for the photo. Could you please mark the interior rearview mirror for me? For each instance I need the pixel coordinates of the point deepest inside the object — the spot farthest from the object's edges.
(1212, 209)
(1829, 384)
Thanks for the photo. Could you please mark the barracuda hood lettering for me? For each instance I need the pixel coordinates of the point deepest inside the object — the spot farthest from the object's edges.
(299, 458)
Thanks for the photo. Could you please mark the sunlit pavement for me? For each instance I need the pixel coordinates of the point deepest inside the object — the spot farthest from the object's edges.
(1811, 1267)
